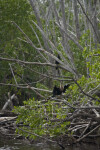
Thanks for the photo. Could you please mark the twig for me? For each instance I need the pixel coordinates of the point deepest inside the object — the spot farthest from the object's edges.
(85, 107)
(26, 62)
(76, 42)
(13, 74)
(26, 87)
(64, 101)
(80, 139)
(85, 129)
(84, 92)
(77, 127)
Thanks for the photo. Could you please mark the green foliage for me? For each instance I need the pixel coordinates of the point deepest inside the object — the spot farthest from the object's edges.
(42, 86)
(90, 60)
(43, 117)
(20, 12)
(12, 10)
(78, 59)
(93, 63)
(87, 84)
(40, 118)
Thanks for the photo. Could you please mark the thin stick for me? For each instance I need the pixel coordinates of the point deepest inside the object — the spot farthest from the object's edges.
(80, 139)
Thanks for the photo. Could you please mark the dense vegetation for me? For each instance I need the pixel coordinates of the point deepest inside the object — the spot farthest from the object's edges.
(32, 35)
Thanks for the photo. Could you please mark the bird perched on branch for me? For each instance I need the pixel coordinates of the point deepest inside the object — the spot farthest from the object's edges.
(60, 90)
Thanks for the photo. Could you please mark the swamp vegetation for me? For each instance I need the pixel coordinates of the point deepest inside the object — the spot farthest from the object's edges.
(43, 44)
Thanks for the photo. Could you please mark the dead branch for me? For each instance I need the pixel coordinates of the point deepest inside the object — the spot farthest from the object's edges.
(80, 139)
(9, 102)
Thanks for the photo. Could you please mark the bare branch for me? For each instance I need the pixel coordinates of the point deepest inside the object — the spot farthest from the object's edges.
(84, 136)
(89, 21)
(74, 40)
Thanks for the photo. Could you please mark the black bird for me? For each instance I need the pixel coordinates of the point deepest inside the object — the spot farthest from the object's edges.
(56, 91)
(66, 87)
(59, 91)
